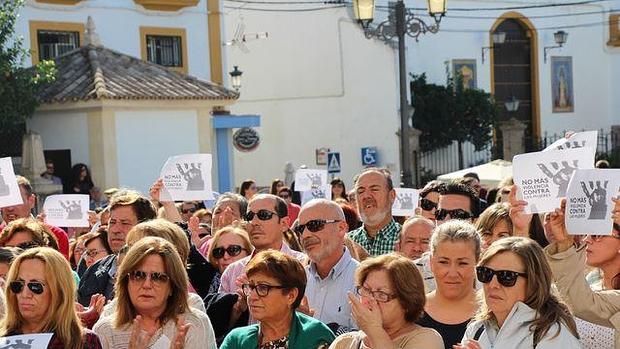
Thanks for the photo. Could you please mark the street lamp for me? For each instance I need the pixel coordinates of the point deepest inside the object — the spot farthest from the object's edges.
(560, 38)
(498, 39)
(235, 78)
(401, 22)
(512, 105)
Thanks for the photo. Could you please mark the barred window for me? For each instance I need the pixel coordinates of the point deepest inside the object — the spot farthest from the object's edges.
(53, 43)
(164, 50)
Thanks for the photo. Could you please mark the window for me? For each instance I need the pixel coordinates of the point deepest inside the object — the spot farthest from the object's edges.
(49, 40)
(165, 46)
(54, 43)
(614, 30)
(164, 50)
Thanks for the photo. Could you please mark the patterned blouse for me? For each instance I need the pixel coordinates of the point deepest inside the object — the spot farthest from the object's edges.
(281, 343)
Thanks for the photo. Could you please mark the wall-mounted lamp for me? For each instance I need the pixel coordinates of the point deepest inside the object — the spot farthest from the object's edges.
(560, 38)
(235, 78)
(512, 105)
(498, 39)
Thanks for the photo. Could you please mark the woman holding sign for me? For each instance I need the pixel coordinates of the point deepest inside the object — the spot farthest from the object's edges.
(568, 263)
(39, 299)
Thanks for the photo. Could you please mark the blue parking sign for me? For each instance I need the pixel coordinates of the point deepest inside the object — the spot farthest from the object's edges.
(369, 156)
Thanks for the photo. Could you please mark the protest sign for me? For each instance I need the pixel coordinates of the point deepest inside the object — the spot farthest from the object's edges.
(542, 177)
(68, 210)
(324, 192)
(187, 178)
(9, 189)
(588, 201)
(576, 140)
(27, 341)
(405, 203)
(307, 179)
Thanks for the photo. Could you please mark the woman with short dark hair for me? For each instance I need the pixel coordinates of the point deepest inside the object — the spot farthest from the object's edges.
(274, 289)
(391, 300)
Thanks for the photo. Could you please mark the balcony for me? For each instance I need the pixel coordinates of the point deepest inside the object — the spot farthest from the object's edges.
(166, 5)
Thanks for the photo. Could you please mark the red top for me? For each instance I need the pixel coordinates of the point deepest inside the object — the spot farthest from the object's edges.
(293, 212)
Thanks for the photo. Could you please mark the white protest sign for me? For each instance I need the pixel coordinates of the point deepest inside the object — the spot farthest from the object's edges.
(405, 203)
(307, 179)
(576, 140)
(588, 201)
(542, 177)
(324, 192)
(9, 189)
(69, 210)
(187, 178)
(27, 341)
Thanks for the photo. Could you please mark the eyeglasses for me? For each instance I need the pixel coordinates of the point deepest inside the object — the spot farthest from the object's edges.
(232, 250)
(141, 276)
(506, 278)
(598, 238)
(314, 225)
(188, 210)
(262, 290)
(93, 253)
(427, 204)
(35, 287)
(284, 196)
(379, 296)
(263, 215)
(441, 214)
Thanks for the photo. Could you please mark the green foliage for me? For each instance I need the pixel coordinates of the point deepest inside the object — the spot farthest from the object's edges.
(452, 113)
(18, 85)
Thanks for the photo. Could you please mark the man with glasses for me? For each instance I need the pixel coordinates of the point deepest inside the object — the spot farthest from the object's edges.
(266, 221)
(456, 201)
(127, 209)
(375, 195)
(322, 228)
(429, 198)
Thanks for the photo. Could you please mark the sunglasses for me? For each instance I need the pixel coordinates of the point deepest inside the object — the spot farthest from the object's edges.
(506, 278)
(427, 204)
(141, 276)
(93, 253)
(314, 225)
(441, 214)
(263, 215)
(598, 238)
(284, 196)
(232, 250)
(188, 210)
(35, 287)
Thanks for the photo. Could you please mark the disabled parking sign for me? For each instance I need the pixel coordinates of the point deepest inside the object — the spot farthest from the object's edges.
(369, 156)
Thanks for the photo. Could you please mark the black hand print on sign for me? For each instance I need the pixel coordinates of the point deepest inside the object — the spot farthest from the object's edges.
(18, 344)
(4, 188)
(597, 198)
(192, 173)
(73, 208)
(405, 201)
(560, 174)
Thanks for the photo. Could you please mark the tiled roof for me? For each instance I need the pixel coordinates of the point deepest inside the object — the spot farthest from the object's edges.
(94, 73)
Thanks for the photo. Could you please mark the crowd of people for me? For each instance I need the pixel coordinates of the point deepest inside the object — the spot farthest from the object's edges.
(469, 269)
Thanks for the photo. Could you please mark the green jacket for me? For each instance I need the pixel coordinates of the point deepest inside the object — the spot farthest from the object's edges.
(305, 333)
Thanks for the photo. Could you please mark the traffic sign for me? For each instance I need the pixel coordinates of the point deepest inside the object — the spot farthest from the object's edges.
(333, 162)
(369, 156)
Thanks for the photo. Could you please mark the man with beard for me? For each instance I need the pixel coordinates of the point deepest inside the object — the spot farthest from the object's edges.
(331, 271)
(375, 195)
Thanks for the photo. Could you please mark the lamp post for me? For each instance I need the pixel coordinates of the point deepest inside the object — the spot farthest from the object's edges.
(235, 78)
(403, 22)
(560, 38)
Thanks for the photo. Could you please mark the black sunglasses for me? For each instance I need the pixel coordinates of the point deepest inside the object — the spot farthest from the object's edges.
(441, 214)
(263, 215)
(506, 278)
(232, 250)
(427, 204)
(188, 210)
(314, 225)
(18, 286)
(141, 276)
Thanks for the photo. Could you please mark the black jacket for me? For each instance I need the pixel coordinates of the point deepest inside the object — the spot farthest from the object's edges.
(96, 279)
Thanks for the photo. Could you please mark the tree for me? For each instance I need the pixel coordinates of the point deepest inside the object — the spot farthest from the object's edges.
(18, 85)
(452, 113)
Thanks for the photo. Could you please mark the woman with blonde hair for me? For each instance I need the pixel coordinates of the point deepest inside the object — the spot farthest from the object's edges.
(39, 299)
(494, 223)
(228, 245)
(152, 308)
(519, 309)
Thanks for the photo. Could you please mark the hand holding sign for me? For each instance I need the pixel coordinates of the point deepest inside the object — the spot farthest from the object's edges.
(308, 179)
(186, 178)
(520, 220)
(576, 140)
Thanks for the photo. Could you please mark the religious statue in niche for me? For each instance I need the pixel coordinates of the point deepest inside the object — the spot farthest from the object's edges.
(562, 85)
(467, 69)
